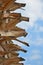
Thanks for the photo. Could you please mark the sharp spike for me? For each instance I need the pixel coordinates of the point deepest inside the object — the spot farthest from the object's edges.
(23, 42)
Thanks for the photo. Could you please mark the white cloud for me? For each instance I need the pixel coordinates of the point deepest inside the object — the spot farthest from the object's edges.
(35, 51)
(35, 55)
(33, 9)
(37, 42)
(41, 28)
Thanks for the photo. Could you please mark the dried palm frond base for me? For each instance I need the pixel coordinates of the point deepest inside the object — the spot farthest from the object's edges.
(9, 54)
(9, 31)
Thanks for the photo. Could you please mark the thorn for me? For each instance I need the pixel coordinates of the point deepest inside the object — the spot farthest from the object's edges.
(22, 59)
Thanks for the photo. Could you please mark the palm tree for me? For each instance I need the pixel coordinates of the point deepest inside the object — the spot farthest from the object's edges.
(9, 31)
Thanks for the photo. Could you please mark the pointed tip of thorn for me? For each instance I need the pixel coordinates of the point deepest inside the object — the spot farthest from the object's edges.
(23, 5)
(22, 59)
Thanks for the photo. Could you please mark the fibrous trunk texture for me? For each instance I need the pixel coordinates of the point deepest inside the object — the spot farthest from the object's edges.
(9, 31)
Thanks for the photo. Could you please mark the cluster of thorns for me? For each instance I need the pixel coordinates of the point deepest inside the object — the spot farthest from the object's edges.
(9, 31)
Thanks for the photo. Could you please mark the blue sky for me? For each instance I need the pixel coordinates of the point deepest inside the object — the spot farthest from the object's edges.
(33, 10)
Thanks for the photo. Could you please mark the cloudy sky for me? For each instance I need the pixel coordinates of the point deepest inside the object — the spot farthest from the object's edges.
(33, 10)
